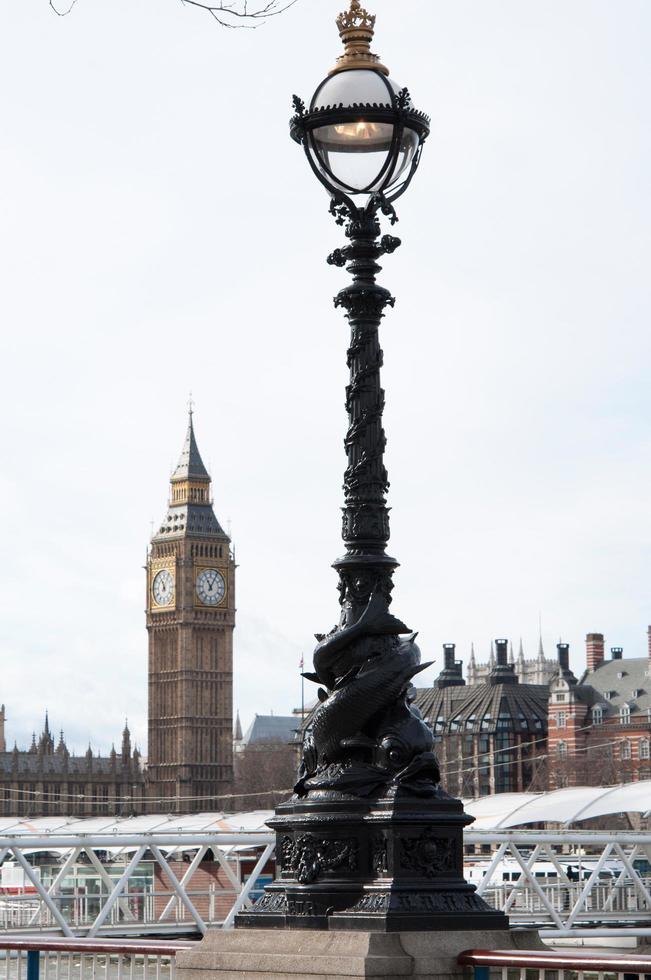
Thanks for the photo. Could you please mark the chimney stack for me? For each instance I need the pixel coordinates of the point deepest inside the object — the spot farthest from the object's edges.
(502, 652)
(563, 651)
(503, 672)
(616, 653)
(448, 655)
(594, 648)
(452, 673)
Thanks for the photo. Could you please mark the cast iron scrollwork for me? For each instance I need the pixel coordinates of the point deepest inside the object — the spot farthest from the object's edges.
(428, 854)
(308, 857)
(366, 735)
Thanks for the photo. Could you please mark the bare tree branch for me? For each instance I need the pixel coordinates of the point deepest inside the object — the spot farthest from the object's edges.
(233, 14)
(240, 13)
(62, 13)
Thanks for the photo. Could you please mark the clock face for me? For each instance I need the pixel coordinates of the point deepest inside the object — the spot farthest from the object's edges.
(211, 587)
(163, 588)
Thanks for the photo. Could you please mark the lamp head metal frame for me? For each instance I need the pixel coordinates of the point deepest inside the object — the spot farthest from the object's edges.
(398, 112)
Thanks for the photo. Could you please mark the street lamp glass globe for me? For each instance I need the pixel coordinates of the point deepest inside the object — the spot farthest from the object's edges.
(361, 148)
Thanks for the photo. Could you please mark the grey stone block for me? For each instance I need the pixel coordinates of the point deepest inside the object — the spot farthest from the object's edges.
(268, 954)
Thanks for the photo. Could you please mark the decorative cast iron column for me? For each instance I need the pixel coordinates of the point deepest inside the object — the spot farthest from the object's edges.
(366, 570)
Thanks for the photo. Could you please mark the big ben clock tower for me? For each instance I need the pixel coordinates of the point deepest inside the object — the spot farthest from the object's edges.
(190, 621)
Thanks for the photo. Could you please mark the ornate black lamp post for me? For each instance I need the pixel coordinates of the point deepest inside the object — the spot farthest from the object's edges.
(369, 840)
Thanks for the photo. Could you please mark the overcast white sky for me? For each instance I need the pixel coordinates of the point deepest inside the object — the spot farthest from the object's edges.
(160, 233)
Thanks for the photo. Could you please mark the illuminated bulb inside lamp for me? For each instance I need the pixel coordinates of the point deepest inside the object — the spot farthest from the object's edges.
(359, 130)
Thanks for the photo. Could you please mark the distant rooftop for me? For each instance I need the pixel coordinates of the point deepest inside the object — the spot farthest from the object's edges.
(270, 728)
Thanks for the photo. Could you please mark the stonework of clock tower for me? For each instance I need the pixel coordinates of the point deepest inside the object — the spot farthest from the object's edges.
(190, 621)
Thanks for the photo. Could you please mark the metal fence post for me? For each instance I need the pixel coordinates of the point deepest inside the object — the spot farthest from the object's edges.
(33, 964)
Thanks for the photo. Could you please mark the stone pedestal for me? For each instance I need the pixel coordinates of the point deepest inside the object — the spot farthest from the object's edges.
(288, 954)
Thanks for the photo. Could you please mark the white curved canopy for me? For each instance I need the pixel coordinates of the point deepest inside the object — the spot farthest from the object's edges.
(499, 812)
(566, 806)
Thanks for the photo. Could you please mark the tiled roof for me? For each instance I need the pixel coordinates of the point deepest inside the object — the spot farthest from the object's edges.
(189, 519)
(271, 728)
(485, 708)
(190, 465)
(635, 676)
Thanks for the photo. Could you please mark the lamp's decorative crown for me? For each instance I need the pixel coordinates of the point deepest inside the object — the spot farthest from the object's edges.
(356, 28)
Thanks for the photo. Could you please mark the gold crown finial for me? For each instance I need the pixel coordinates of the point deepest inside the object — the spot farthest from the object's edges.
(356, 28)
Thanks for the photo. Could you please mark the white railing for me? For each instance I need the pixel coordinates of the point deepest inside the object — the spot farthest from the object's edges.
(118, 907)
(82, 959)
(498, 964)
(610, 891)
(562, 906)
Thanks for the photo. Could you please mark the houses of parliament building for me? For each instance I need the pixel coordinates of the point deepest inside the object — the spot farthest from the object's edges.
(190, 621)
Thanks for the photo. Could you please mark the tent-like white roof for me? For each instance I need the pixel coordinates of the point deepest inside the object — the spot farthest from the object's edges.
(499, 812)
(100, 828)
(564, 806)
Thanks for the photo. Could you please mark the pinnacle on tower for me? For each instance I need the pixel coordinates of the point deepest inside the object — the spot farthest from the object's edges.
(238, 728)
(190, 465)
(126, 743)
(190, 510)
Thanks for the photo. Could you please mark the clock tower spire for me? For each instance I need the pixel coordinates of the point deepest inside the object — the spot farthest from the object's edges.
(190, 621)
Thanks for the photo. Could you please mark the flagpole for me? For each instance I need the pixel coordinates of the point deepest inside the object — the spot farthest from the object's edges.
(302, 692)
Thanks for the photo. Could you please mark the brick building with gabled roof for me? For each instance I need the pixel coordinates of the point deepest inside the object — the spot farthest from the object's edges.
(600, 725)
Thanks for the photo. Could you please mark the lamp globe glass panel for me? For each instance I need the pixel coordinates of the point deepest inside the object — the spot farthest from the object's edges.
(354, 154)
(357, 86)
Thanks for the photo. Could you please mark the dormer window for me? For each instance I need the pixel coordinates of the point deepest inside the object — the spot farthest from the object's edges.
(598, 715)
(608, 695)
(625, 715)
(636, 692)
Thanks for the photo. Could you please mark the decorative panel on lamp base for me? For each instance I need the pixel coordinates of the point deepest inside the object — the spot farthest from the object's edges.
(394, 864)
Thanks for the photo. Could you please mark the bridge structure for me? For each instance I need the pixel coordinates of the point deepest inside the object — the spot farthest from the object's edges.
(150, 883)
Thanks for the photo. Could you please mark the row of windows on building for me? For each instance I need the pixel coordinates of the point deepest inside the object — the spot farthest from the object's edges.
(23, 798)
(488, 723)
(598, 716)
(625, 749)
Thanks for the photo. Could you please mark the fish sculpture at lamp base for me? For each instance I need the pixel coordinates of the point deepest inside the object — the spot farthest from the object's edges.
(366, 734)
